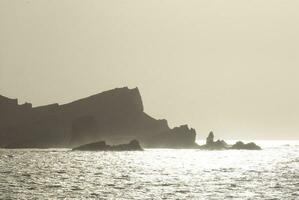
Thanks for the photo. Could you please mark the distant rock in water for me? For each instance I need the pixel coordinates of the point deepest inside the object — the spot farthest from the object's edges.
(102, 146)
(214, 145)
(248, 146)
(222, 145)
(210, 139)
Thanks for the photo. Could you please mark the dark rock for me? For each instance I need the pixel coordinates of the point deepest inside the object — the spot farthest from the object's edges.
(214, 145)
(210, 138)
(222, 145)
(102, 146)
(248, 146)
(178, 137)
(115, 116)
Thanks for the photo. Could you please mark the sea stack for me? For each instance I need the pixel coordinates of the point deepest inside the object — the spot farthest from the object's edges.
(222, 145)
(210, 138)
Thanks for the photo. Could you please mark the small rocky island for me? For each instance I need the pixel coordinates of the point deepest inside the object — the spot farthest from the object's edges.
(102, 146)
(134, 145)
(222, 145)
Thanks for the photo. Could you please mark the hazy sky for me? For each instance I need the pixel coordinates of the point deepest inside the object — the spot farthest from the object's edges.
(231, 66)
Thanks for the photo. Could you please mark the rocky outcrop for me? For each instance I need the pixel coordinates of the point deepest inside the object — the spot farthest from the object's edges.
(222, 145)
(116, 116)
(178, 137)
(214, 145)
(210, 139)
(102, 146)
(249, 146)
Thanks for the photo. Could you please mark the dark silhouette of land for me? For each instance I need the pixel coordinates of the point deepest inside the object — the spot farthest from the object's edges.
(115, 116)
(222, 145)
(102, 146)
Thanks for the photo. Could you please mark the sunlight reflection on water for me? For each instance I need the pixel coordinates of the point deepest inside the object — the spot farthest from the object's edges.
(151, 174)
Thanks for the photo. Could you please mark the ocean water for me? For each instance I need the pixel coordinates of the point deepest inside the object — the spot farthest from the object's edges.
(272, 173)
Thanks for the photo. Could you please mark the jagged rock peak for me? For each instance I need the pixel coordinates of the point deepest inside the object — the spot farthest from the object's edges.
(184, 127)
(210, 138)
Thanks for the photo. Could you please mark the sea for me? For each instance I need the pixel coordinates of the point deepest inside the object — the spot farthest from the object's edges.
(272, 173)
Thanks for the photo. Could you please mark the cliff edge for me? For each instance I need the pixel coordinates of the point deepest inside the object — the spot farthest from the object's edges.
(116, 116)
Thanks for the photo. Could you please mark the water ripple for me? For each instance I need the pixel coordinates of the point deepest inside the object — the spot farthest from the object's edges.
(153, 174)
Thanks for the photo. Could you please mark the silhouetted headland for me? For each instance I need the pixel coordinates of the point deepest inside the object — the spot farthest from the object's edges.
(102, 146)
(222, 145)
(115, 116)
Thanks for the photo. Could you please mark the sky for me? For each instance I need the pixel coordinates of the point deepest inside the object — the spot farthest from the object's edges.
(231, 66)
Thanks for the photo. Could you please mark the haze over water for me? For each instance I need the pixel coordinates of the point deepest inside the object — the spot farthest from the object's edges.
(230, 66)
(272, 173)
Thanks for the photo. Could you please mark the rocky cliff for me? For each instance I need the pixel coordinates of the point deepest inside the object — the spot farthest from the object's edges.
(116, 116)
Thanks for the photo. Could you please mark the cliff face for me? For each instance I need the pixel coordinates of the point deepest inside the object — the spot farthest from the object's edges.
(115, 116)
(178, 137)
